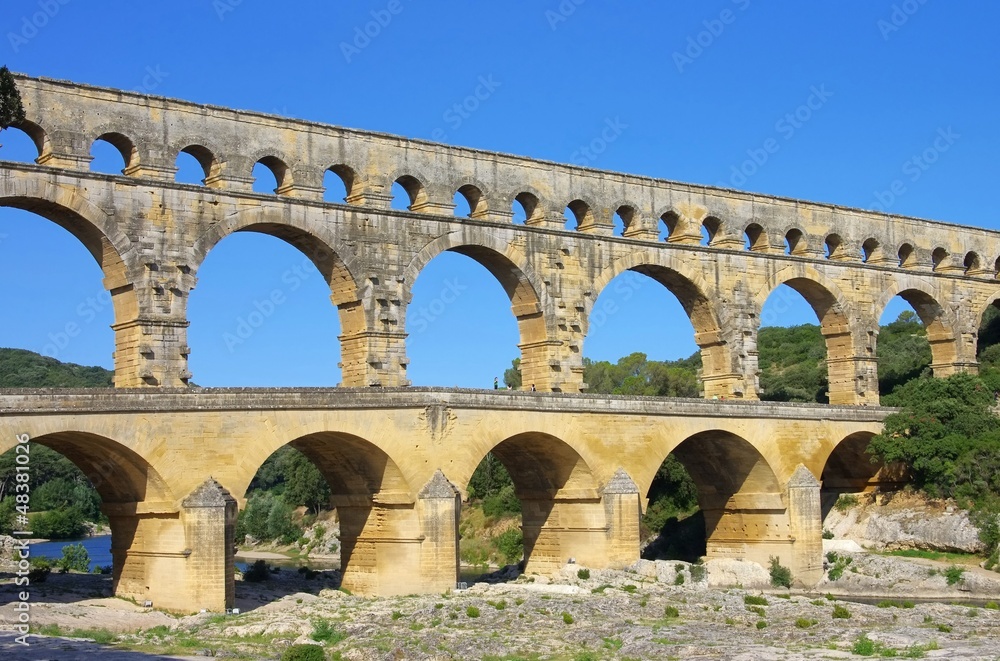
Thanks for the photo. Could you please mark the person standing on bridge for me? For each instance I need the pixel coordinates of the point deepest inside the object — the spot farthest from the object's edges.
(496, 383)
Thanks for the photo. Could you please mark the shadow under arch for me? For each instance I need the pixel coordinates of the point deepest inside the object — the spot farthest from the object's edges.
(127, 484)
(519, 281)
(693, 294)
(375, 504)
(739, 495)
(109, 246)
(940, 332)
(834, 314)
(335, 262)
(850, 469)
(559, 500)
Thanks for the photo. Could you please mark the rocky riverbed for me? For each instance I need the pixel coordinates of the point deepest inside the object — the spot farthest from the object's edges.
(656, 610)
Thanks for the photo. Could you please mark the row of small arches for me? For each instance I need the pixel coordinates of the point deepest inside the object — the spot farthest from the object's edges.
(115, 153)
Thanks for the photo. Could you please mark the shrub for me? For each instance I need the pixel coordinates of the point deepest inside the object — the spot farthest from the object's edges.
(40, 570)
(567, 618)
(59, 524)
(698, 573)
(841, 613)
(679, 579)
(324, 632)
(780, 576)
(863, 646)
(629, 588)
(583, 574)
(510, 543)
(758, 610)
(472, 611)
(304, 653)
(74, 558)
(396, 615)
(671, 612)
(805, 623)
(256, 572)
(761, 624)
(827, 534)
(755, 600)
(845, 502)
(953, 574)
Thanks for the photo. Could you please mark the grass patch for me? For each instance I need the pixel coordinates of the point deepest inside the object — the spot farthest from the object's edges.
(472, 611)
(805, 623)
(841, 613)
(755, 600)
(324, 632)
(953, 574)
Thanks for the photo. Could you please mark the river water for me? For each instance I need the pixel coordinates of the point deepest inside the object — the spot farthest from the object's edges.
(98, 547)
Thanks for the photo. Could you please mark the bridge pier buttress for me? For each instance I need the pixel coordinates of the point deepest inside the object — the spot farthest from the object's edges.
(391, 545)
(597, 530)
(180, 561)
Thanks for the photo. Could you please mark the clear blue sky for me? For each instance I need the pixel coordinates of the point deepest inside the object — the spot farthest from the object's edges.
(694, 86)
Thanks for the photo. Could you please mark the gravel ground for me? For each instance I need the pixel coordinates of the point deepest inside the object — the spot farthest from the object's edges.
(609, 615)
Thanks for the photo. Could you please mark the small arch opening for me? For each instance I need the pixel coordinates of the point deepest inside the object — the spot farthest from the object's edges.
(938, 257)
(834, 246)
(907, 256)
(710, 229)
(972, 263)
(755, 238)
(668, 225)
(338, 181)
(795, 242)
(524, 206)
(270, 175)
(24, 143)
(112, 153)
(868, 249)
(577, 213)
(407, 193)
(622, 219)
(195, 165)
(470, 202)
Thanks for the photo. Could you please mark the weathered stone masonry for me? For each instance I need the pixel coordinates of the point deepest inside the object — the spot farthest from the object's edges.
(173, 464)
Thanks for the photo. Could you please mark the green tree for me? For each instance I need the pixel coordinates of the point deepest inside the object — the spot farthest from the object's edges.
(304, 484)
(74, 558)
(11, 109)
(512, 375)
(58, 524)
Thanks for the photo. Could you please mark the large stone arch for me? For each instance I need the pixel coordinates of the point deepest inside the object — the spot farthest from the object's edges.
(335, 261)
(106, 241)
(142, 510)
(942, 334)
(848, 468)
(740, 495)
(695, 296)
(564, 512)
(850, 364)
(528, 295)
(379, 514)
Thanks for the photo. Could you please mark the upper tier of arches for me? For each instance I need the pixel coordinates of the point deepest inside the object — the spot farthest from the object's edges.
(151, 133)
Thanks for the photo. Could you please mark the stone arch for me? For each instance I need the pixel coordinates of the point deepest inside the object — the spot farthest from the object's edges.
(796, 241)
(280, 169)
(922, 297)
(849, 469)
(939, 259)
(530, 200)
(836, 320)
(528, 296)
(477, 199)
(38, 136)
(114, 252)
(694, 294)
(582, 211)
(756, 237)
(120, 475)
(714, 227)
(739, 493)
(207, 159)
(871, 250)
(125, 146)
(559, 498)
(835, 248)
(907, 256)
(629, 213)
(415, 188)
(972, 262)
